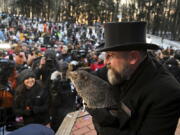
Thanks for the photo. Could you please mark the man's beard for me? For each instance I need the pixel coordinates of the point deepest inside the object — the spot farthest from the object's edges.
(115, 77)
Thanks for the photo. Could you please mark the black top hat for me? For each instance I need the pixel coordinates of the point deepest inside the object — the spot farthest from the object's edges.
(125, 36)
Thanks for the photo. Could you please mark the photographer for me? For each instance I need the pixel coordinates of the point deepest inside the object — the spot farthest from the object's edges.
(47, 66)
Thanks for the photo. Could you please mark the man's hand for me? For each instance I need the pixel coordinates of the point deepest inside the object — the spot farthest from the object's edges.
(103, 117)
(28, 108)
(28, 111)
(42, 62)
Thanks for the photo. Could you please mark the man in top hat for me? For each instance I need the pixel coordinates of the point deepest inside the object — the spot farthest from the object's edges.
(147, 95)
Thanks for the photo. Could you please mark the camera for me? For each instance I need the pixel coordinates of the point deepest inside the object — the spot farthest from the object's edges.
(50, 57)
(49, 62)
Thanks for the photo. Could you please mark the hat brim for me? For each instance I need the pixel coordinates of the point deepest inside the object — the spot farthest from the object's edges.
(132, 46)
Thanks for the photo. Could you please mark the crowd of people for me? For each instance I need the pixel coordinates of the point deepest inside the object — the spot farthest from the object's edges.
(34, 69)
(33, 83)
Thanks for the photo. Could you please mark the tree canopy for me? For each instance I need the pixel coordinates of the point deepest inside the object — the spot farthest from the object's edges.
(162, 16)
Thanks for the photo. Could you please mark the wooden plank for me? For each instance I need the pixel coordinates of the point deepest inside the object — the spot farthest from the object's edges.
(67, 124)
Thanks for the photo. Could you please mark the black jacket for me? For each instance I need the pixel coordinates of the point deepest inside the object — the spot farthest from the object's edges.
(36, 99)
(148, 104)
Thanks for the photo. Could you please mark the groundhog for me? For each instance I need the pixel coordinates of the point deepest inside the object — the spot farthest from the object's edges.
(95, 92)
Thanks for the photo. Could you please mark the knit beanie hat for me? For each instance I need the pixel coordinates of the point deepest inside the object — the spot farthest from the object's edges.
(25, 74)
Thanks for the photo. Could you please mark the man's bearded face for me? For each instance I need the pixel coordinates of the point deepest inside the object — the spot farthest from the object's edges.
(117, 75)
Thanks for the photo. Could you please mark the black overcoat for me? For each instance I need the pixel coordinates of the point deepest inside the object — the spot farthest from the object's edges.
(148, 104)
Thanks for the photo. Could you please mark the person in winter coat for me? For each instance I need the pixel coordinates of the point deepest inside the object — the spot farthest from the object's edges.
(31, 100)
(147, 95)
(62, 98)
(47, 65)
(7, 116)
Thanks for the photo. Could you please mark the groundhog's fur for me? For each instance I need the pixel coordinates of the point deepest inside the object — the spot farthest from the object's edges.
(95, 92)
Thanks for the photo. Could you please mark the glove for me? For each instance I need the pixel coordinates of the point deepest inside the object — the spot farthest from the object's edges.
(103, 117)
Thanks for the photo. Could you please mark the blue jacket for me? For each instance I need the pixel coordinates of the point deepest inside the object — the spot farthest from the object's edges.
(33, 129)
